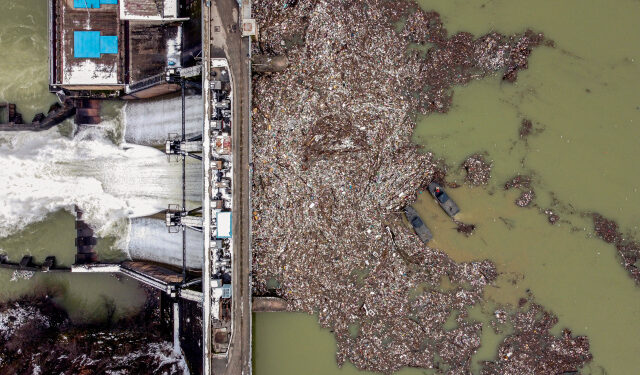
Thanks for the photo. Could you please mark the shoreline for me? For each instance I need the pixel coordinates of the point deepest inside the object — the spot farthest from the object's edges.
(35, 327)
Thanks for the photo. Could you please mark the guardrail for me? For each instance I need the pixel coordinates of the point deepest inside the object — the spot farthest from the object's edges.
(146, 83)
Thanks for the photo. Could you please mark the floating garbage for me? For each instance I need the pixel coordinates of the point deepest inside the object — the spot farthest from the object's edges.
(334, 166)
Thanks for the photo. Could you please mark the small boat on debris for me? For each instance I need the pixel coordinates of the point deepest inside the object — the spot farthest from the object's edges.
(418, 225)
(447, 204)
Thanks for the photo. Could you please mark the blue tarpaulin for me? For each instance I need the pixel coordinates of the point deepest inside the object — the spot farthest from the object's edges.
(108, 44)
(92, 3)
(86, 44)
(90, 44)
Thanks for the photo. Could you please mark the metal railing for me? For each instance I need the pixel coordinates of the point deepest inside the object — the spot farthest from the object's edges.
(146, 83)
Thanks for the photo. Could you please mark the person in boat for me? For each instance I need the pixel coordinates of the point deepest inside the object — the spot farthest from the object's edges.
(438, 192)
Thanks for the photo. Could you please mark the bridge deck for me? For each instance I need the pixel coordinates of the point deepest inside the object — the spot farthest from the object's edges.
(157, 272)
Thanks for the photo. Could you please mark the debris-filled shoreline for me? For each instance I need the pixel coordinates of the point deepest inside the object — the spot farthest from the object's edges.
(334, 165)
(37, 337)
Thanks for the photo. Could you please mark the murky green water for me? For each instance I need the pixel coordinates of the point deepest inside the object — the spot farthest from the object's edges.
(582, 96)
(24, 50)
(86, 297)
(583, 93)
(294, 343)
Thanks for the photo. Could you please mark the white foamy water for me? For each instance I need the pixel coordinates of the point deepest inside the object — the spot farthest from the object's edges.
(149, 122)
(149, 240)
(44, 172)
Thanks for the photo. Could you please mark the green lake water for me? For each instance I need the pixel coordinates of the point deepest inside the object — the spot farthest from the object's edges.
(581, 96)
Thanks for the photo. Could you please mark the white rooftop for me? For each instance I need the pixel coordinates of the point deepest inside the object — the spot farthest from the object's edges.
(223, 225)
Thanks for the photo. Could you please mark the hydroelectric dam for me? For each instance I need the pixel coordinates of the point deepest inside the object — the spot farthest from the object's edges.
(181, 181)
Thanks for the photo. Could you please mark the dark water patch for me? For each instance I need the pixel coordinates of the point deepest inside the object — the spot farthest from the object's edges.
(466, 229)
(525, 128)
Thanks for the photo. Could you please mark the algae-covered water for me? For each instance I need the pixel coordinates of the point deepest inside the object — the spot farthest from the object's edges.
(583, 101)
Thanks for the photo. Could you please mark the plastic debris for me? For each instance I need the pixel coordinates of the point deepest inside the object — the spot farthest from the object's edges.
(334, 165)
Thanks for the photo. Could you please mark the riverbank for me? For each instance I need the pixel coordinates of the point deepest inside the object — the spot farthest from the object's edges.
(37, 337)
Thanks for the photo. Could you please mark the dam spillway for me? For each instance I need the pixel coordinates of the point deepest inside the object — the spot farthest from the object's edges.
(148, 122)
(46, 172)
(148, 239)
(110, 173)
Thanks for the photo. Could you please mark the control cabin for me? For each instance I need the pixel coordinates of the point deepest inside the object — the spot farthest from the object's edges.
(110, 48)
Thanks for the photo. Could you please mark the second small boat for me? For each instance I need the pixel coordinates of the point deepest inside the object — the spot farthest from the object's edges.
(418, 225)
(447, 204)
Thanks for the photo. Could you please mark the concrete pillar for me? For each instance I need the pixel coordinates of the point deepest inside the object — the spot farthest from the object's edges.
(176, 327)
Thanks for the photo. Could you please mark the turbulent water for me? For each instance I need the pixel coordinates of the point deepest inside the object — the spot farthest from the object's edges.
(45, 172)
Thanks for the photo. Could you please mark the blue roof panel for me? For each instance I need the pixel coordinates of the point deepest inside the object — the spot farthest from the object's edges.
(86, 3)
(90, 44)
(108, 44)
(86, 44)
(92, 3)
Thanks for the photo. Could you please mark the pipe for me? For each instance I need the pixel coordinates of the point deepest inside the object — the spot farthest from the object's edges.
(184, 181)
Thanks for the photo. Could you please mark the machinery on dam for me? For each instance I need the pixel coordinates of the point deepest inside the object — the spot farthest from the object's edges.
(214, 217)
(218, 205)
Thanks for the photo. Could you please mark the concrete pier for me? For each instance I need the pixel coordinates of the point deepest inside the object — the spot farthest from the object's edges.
(87, 111)
(85, 241)
(176, 327)
(13, 121)
(269, 304)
